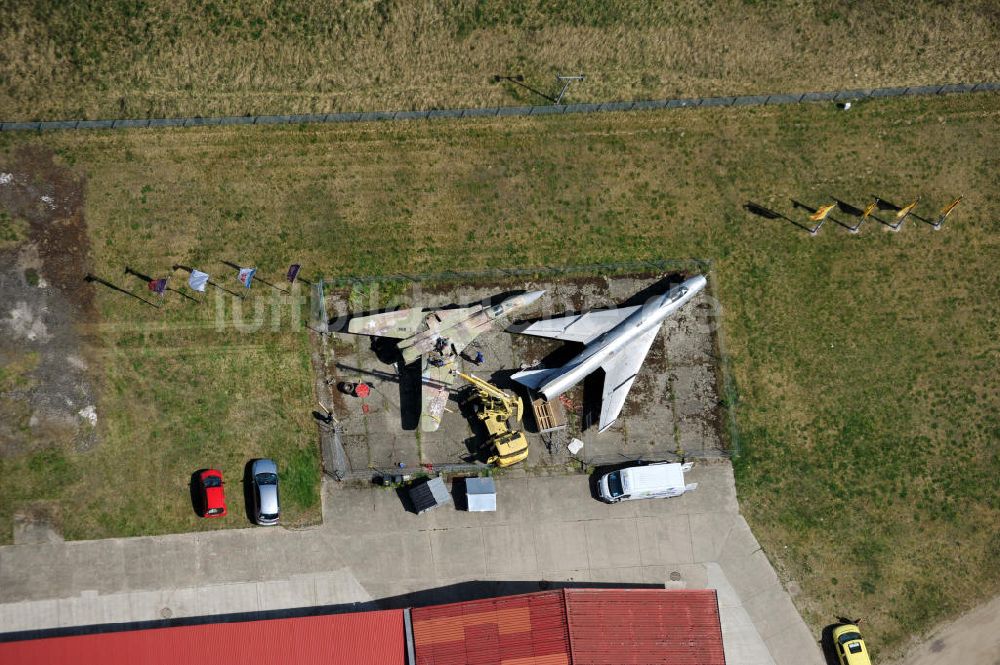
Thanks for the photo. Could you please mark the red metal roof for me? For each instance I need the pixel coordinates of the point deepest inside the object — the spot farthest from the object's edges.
(644, 626)
(573, 627)
(529, 629)
(370, 638)
(568, 627)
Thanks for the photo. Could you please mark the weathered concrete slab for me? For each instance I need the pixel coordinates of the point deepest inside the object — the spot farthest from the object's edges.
(680, 363)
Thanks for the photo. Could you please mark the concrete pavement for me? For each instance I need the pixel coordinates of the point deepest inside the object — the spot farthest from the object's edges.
(370, 550)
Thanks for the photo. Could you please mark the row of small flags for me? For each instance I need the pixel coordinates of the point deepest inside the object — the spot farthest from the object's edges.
(198, 280)
(821, 214)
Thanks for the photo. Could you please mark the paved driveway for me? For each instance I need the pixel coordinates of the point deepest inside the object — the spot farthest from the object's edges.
(371, 552)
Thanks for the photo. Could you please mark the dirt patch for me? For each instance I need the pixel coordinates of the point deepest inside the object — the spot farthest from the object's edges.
(49, 397)
(37, 523)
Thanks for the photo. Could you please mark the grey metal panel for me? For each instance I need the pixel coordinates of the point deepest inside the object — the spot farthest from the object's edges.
(59, 124)
(130, 123)
(473, 113)
(272, 120)
(514, 110)
(860, 93)
(445, 113)
(412, 115)
(783, 99)
(343, 117)
(438, 489)
(924, 90)
(319, 322)
(649, 104)
(581, 108)
(199, 122)
(681, 103)
(480, 486)
(750, 100)
(888, 92)
(717, 101)
(310, 117)
(383, 115)
(957, 87)
(237, 120)
(547, 110)
(167, 122)
(617, 106)
(986, 86)
(16, 126)
(411, 652)
(819, 96)
(95, 124)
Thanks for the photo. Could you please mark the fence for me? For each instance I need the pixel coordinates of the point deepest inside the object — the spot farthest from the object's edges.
(501, 111)
(499, 274)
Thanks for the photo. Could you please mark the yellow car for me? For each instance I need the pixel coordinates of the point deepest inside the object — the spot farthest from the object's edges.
(851, 649)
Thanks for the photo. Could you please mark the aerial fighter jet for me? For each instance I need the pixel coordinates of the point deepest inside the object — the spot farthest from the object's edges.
(616, 340)
(436, 338)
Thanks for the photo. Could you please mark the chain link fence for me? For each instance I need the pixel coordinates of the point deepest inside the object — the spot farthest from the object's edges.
(501, 111)
(539, 272)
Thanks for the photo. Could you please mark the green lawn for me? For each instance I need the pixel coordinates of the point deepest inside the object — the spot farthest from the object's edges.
(866, 365)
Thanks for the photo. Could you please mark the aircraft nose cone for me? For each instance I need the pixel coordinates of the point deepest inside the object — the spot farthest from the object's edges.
(530, 297)
(697, 283)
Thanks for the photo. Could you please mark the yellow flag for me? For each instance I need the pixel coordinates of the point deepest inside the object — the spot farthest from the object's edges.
(903, 212)
(822, 212)
(869, 210)
(945, 211)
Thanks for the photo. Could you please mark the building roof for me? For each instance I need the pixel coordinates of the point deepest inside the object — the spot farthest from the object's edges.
(565, 627)
(369, 638)
(480, 495)
(431, 494)
(640, 626)
(529, 629)
(573, 627)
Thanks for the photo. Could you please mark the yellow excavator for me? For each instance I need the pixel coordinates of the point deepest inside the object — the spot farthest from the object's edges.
(495, 408)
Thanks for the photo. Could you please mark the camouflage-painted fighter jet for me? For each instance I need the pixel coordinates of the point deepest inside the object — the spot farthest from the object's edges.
(436, 338)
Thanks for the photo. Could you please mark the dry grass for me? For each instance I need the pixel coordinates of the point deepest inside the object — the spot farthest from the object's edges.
(866, 364)
(156, 59)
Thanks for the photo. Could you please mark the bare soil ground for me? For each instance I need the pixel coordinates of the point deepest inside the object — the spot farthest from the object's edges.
(49, 403)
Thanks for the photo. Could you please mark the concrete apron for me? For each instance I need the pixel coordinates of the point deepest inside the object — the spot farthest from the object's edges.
(369, 548)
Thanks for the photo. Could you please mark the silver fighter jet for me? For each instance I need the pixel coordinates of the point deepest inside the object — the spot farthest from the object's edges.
(436, 338)
(616, 340)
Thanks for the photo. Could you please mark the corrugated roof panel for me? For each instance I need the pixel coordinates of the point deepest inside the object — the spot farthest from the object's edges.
(644, 626)
(370, 638)
(529, 629)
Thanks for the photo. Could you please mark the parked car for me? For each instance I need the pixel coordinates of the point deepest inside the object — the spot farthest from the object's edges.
(213, 496)
(851, 649)
(264, 478)
(644, 481)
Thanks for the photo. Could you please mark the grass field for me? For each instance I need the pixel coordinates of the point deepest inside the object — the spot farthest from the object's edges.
(866, 364)
(151, 58)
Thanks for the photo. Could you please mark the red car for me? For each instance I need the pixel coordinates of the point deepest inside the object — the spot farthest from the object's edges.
(212, 495)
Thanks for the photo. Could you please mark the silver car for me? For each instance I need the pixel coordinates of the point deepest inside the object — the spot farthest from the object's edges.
(264, 476)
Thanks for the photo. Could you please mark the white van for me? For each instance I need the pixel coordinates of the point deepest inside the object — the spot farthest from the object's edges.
(645, 481)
